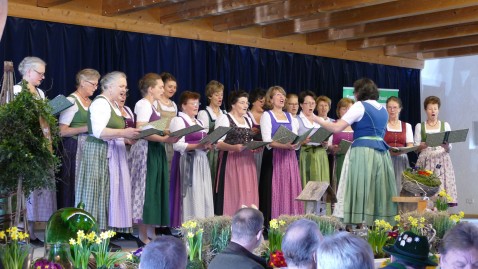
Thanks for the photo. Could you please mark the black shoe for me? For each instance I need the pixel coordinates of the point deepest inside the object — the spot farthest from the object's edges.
(37, 243)
(113, 247)
(164, 230)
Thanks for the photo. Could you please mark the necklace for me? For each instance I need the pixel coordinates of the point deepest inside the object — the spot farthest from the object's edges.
(85, 99)
(433, 124)
(393, 123)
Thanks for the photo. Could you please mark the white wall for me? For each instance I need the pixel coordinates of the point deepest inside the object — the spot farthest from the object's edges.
(455, 81)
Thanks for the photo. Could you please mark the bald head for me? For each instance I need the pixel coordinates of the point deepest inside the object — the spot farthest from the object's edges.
(300, 242)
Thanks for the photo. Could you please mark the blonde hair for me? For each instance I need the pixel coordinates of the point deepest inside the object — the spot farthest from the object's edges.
(324, 98)
(86, 74)
(213, 87)
(344, 102)
(270, 93)
(29, 63)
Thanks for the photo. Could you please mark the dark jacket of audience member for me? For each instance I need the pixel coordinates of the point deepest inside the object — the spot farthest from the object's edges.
(246, 235)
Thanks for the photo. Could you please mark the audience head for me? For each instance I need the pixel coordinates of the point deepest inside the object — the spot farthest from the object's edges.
(292, 103)
(343, 106)
(257, 99)
(344, 251)
(151, 84)
(275, 97)
(214, 93)
(300, 242)
(189, 102)
(247, 227)
(411, 250)
(164, 252)
(365, 89)
(33, 70)
(170, 84)
(459, 248)
(323, 105)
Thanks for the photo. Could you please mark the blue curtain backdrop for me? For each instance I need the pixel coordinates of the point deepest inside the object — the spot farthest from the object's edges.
(70, 48)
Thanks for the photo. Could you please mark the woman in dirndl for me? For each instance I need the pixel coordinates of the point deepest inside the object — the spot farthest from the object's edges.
(190, 183)
(280, 178)
(398, 134)
(103, 181)
(168, 109)
(237, 178)
(149, 166)
(367, 183)
(73, 130)
(347, 134)
(208, 116)
(436, 159)
(256, 106)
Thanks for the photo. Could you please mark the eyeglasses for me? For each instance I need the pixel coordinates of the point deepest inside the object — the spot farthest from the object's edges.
(243, 103)
(39, 73)
(293, 104)
(262, 229)
(92, 84)
(195, 103)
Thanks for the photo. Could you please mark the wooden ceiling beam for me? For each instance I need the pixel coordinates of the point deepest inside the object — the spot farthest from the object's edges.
(413, 23)
(117, 7)
(50, 3)
(375, 13)
(245, 18)
(300, 8)
(413, 37)
(467, 41)
(194, 9)
(451, 53)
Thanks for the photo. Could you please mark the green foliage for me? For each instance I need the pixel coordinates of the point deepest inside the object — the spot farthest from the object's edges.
(424, 177)
(220, 238)
(24, 151)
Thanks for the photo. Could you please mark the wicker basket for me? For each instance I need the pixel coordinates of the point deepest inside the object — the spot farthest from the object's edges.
(417, 188)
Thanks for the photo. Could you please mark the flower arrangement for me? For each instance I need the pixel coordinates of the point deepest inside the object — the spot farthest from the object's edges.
(442, 201)
(46, 264)
(85, 245)
(276, 234)
(81, 249)
(277, 259)
(14, 250)
(420, 181)
(194, 238)
(379, 236)
(414, 224)
(445, 222)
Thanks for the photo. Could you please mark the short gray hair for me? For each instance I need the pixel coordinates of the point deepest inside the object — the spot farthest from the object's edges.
(110, 78)
(86, 74)
(29, 63)
(300, 242)
(246, 223)
(344, 251)
(163, 253)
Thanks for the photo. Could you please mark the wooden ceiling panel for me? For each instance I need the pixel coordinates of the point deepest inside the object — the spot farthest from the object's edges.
(414, 37)
(451, 53)
(451, 43)
(196, 9)
(50, 3)
(413, 23)
(118, 7)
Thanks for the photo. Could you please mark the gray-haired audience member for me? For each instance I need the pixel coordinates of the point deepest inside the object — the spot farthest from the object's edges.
(300, 243)
(247, 226)
(165, 252)
(344, 251)
(459, 248)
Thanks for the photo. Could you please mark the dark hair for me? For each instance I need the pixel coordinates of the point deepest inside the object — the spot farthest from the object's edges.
(234, 96)
(395, 99)
(188, 95)
(365, 89)
(148, 80)
(300, 241)
(304, 94)
(255, 95)
(246, 223)
(165, 76)
(463, 236)
(431, 100)
(343, 103)
(163, 253)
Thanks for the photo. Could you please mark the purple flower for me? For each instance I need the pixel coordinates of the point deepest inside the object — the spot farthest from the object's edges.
(138, 252)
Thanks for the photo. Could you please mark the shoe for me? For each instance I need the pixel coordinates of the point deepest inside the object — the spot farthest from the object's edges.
(131, 237)
(113, 247)
(164, 230)
(37, 243)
